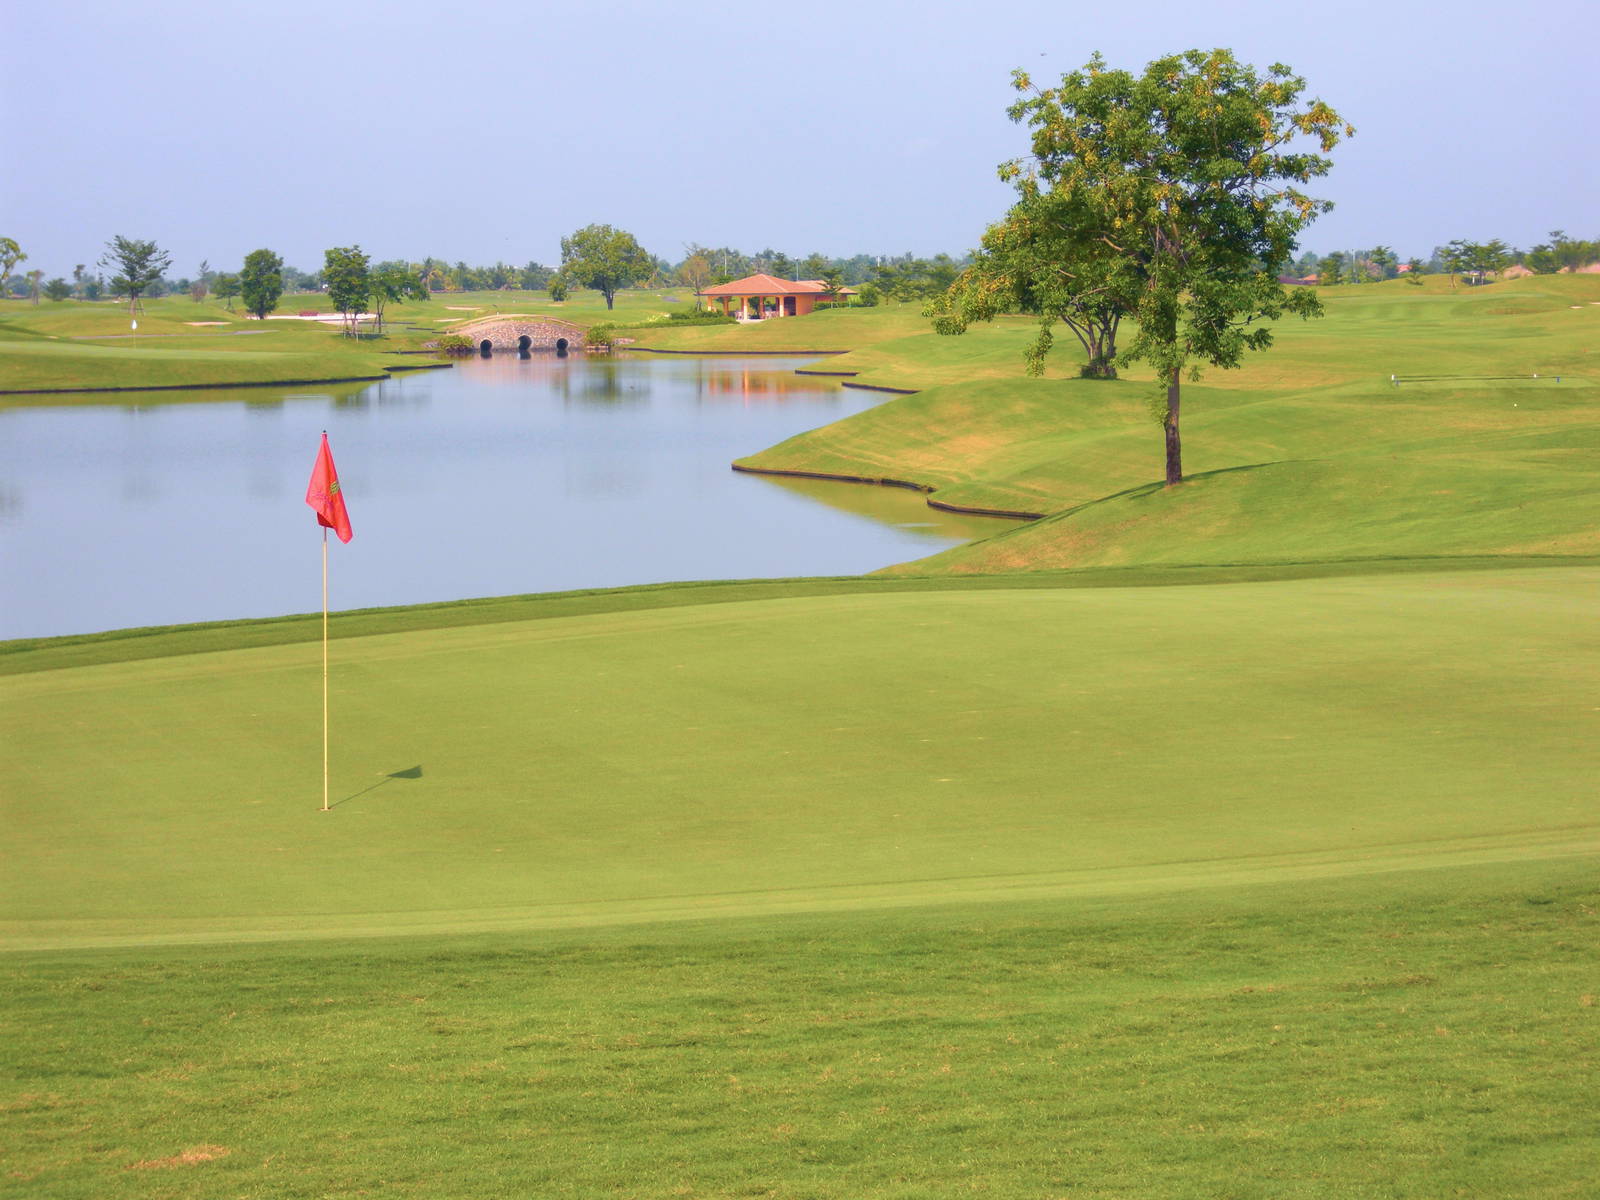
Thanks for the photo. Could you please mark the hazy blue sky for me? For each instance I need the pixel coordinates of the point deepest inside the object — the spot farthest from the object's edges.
(486, 131)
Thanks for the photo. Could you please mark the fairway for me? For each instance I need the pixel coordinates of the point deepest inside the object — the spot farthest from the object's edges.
(810, 753)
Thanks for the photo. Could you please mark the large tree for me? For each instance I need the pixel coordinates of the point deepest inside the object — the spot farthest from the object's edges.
(1188, 174)
(135, 265)
(261, 282)
(344, 270)
(605, 259)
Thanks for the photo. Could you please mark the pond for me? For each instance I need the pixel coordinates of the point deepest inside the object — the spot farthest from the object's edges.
(495, 477)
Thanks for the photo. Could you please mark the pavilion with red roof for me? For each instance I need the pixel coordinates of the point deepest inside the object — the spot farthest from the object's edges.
(765, 296)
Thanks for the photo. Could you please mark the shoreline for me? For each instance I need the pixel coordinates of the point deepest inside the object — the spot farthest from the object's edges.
(885, 481)
(204, 387)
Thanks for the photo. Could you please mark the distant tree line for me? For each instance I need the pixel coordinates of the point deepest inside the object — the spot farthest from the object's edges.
(1471, 261)
(875, 277)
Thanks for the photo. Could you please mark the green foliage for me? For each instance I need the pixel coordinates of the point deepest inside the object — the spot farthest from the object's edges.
(606, 259)
(1476, 261)
(58, 289)
(1181, 186)
(10, 255)
(394, 282)
(909, 278)
(601, 336)
(261, 282)
(349, 283)
(226, 286)
(558, 288)
(534, 276)
(1046, 259)
(455, 345)
(695, 315)
(137, 266)
(1562, 253)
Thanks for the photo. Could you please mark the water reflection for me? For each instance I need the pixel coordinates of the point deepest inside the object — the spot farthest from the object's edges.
(903, 508)
(496, 476)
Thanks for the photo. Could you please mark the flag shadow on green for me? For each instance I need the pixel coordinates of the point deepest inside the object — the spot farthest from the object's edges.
(409, 773)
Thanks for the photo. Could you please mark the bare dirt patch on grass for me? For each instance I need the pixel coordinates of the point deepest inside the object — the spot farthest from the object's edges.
(192, 1157)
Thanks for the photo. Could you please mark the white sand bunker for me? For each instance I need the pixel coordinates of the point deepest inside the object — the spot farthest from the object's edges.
(462, 308)
(208, 322)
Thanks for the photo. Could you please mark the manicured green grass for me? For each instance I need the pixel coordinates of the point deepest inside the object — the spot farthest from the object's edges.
(1062, 883)
(1258, 889)
(841, 750)
(79, 345)
(1309, 452)
(1415, 1034)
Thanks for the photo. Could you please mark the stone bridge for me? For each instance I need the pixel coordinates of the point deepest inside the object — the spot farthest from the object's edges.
(509, 334)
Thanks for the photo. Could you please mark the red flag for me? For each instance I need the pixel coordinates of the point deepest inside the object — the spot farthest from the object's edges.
(324, 495)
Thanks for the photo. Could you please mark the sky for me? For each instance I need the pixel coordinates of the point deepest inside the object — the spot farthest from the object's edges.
(487, 131)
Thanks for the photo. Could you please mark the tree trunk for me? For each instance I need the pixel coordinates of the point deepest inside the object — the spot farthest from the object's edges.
(1170, 426)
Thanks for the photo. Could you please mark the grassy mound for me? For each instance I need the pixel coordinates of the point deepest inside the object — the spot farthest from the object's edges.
(1311, 451)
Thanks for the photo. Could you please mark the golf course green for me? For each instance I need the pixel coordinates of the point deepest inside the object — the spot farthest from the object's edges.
(1237, 839)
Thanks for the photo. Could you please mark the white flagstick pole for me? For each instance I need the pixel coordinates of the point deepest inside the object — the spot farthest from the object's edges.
(324, 668)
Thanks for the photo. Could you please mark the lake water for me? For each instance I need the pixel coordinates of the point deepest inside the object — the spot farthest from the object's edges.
(496, 477)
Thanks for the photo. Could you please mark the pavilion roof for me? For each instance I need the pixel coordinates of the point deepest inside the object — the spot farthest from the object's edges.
(768, 285)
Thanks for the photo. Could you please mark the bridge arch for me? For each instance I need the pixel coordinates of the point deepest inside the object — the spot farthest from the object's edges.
(522, 335)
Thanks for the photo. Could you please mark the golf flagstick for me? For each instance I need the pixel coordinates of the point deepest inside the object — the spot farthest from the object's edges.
(324, 668)
(327, 501)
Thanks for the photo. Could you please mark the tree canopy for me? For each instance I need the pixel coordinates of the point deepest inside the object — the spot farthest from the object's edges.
(1041, 259)
(260, 282)
(393, 282)
(344, 271)
(605, 259)
(1170, 197)
(136, 265)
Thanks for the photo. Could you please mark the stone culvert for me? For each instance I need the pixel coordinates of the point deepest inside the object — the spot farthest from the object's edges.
(510, 334)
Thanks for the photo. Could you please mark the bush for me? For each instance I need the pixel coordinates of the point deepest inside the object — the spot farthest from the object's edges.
(600, 337)
(696, 315)
(456, 345)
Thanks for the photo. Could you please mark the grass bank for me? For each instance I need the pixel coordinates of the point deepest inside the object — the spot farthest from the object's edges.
(1309, 451)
